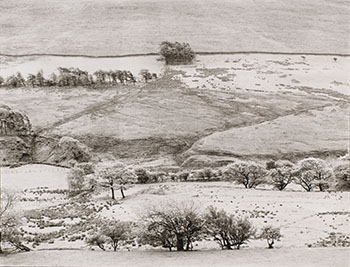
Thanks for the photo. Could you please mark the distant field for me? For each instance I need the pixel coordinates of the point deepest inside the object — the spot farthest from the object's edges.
(114, 27)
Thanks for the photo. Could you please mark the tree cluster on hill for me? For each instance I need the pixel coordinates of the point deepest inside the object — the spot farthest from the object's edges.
(176, 53)
(73, 77)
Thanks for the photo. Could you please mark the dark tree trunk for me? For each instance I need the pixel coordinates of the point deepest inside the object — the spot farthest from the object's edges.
(112, 189)
(0, 243)
(180, 243)
(270, 244)
(122, 192)
(321, 187)
(115, 245)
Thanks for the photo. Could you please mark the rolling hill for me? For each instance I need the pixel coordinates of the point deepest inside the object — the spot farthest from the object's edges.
(115, 27)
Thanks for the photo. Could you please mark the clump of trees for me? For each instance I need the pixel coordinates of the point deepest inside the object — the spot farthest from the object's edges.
(115, 177)
(73, 77)
(177, 226)
(176, 53)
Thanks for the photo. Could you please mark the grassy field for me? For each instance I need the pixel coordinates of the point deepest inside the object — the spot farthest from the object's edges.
(117, 27)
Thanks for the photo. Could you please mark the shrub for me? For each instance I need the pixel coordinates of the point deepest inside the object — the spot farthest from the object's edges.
(281, 175)
(227, 230)
(146, 75)
(173, 225)
(143, 177)
(313, 173)
(176, 52)
(97, 240)
(271, 234)
(183, 176)
(248, 173)
(342, 176)
(116, 232)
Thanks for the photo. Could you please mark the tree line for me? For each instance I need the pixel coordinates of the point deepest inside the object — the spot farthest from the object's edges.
(310, 174)
(73, 77)
(178, 226)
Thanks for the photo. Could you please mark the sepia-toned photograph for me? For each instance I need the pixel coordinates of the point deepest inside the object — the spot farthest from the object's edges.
(175, 133)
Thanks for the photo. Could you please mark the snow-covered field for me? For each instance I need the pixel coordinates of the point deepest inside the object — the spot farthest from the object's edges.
(270, 73)
(301, 257)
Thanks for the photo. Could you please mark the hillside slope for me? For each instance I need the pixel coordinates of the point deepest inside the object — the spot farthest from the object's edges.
(115, 27)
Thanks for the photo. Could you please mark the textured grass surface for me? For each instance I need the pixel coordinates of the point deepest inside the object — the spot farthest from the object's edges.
(113, 27)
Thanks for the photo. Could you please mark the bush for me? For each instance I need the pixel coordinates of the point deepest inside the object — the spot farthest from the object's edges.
(143, 177)
(97, 240)
(248, 173)
(174, 225)
(116, 232)
(271, 234)
(227, 230)
(342, 176)
(176, 52)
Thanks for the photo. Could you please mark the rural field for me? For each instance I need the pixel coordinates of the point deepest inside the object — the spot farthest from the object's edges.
(235, 153)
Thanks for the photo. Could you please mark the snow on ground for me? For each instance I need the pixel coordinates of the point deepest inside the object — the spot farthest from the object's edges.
(301, 257)
(271, 73)
(33, 176)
